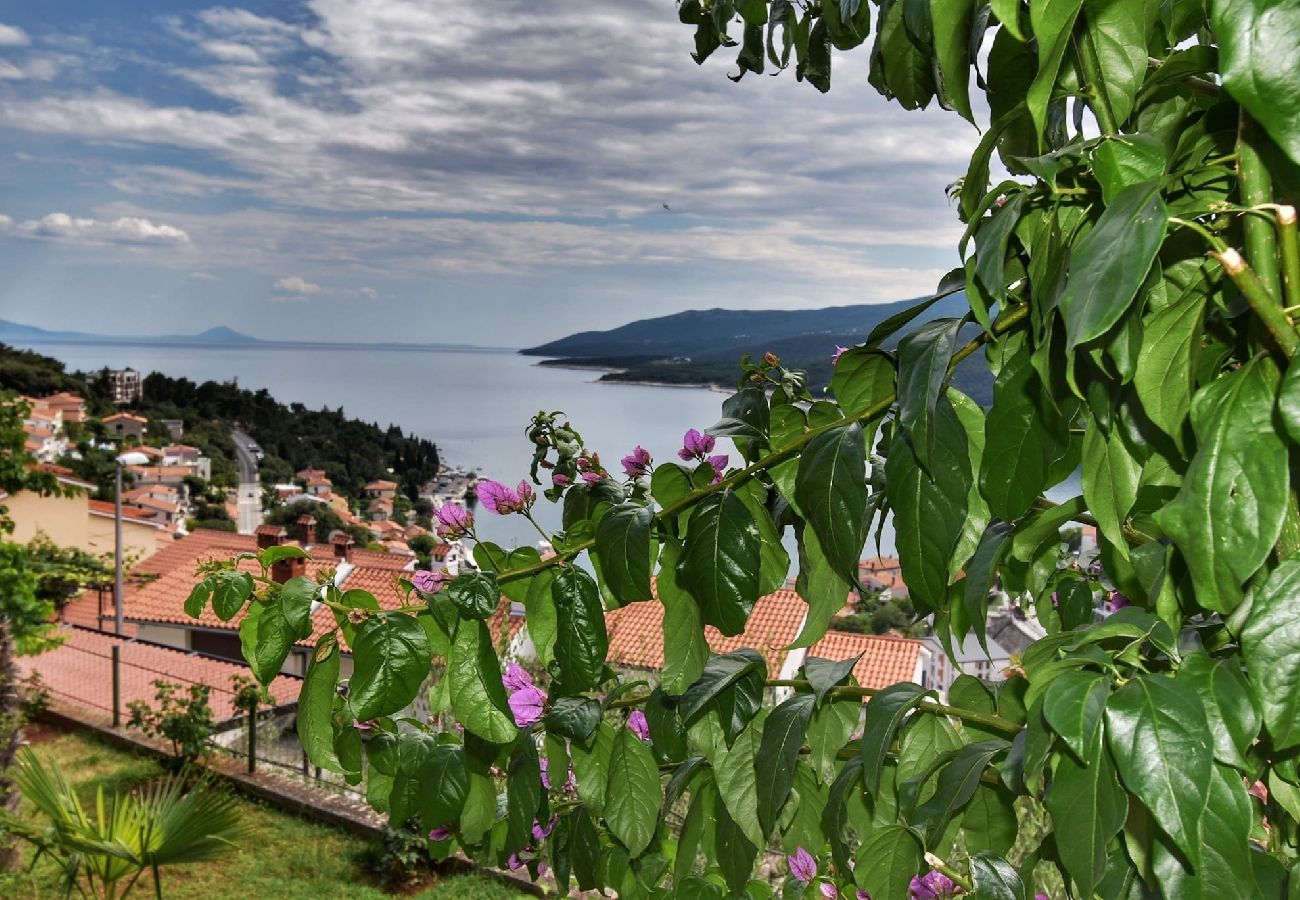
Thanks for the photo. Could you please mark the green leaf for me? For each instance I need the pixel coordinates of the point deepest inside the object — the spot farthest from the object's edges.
(1225, 869)
(989, 822)
(899, 320)
(824, 674)
(721, 673)
(623, 542)
(480, 809)
(1259, 42)
(573, 717)
(444, 785)
(269, 556)
(992, 239)
(956, 784)
(478, 698)
(581, 641)
(540, 617)
(832, 492)
(1228, 514)
(703, 798)
(898, 68)
(1088, 808)
(316, 705)
(1288, 407)
(820, 586)
(1158, 734)
(720, 563)
(734, 852)
(952, 21)
(1117, 33)
(1052, 22)
(685, 650)
(1230, 707)
(734, 770)
(1022, 441)
(783, 736)
(1109, 264)
(929, 514)
(995, 878)
(584, 849)
(744, 415)
(1270, 646)
(271, 628)
(475, 594)
(1073, 705)
(830, 728)
(391, 654)
(1127, 159)
(887, 861)
(884, 713)
(633, 794)
(1166, 364)
(1110, 481)
(229, 591)
(774, 560)
(864, 377)
(923, 358)
(591, 766)
(980, 573)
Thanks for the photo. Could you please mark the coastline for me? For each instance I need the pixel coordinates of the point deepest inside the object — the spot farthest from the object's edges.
(560, 364)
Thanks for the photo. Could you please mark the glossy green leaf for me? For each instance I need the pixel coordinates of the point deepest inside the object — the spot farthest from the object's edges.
(864, 378)
(1116, 33)
(884, 714)
(995, 879)
(952, 21)
(523, 793)
(721, 674)
(1225, 868)
(734, 852)
(720, 562)
(316, 705)
(1073, 705)
(272, 627)
(923, 358)
(475, 594)
(540, 617)
(633, 794)
(956, 784)
(734, 769)
(1229, 511)
(829, 730)
(1259, 42)
(573, 717)
(581, 640)
(992, 240)
(824, 674)
(591, 766)
(980, 574)
(443, 786)
(1110, 481)
(1022, 440)
(1157, 731)
(887, 861)
(821, 586)
(832, 492)
(623, 542)
(230, 589)
(1052, 22)
(391, 654)
(1230, 707)
(584, 849)
(1088, 808)
(989, 821)
(685, 650)
(478, 698)
(1166, 364)
(480, 809)
(1127, 159)
(1270, 646)
(774, 560)
(783, 736)
(744, 415)
(1109, 264)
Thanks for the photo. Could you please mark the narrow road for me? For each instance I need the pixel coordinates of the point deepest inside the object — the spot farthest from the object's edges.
(250, 490)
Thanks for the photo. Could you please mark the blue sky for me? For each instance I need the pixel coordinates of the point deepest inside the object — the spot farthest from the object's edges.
(490, 173)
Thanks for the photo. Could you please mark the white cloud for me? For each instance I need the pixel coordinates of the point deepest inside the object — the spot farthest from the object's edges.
(296, 284)
(59, 226)
(13, 36)
(369, 293)
(203, 276)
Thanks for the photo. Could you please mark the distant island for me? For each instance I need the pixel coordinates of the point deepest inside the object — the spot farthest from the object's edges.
(18, 334)
(704, 347)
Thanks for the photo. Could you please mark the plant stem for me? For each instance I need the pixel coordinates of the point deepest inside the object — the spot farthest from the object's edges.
(1100, 102)
(1256, 186)
(1289, 244)
(1261, 302)
(1005, 322)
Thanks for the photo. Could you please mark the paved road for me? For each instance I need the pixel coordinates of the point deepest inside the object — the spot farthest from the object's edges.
(250, 489)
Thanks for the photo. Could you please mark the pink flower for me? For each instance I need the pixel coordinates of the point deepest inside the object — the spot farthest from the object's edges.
(862, 895)
(454, 520)
(933, 885)
(559, 479)
(441, 833)
(546, 776)
(497, 497)
(517, 678)
(638, 725)
(593, 477)
(541, 832)
(514, 862)
(427, 582)
(527, 705)
(584, 463)
(1116, 602)
(829, 890)
(364, 726)
(719, 464)
(637, 463)
(1041, 896)
(839, 351)
(695, 445)
(526, 495)
(802, 865)
(771, 359)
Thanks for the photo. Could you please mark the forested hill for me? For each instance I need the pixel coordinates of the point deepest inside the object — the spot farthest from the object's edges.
(352, 452)
(705, 346)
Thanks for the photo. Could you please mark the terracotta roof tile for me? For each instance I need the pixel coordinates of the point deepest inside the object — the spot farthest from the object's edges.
(886, 658)
(80, 670)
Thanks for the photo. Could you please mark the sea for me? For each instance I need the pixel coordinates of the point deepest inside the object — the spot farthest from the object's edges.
(474, 404)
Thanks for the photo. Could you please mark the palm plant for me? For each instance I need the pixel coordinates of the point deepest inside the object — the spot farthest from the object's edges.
(156, 825)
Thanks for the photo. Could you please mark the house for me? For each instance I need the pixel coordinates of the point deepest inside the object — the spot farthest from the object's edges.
(124, 385)
(882, 575)
(308, 474)
(180, 455)
(380, 490)
(75, 520)
(380, 510)
(121, 426)
(175, 428)
(42, 443)
(70, 407)
(970, 660)
(319, 486)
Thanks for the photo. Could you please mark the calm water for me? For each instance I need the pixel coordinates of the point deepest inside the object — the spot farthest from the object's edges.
(473, 404)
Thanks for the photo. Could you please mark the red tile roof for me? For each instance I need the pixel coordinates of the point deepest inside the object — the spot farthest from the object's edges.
(105, 508)
(80, 671)
(886, 658)
(126, 417)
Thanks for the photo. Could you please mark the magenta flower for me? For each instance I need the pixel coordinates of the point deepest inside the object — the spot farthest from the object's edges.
(514, 862)
(719, 465)
(527, 705)
(593, 477)
(526, 496)
(839, 351)
(546, 775)
(829, 890)
(802, 865)
(497, 497)
(862, 895)
(541, 832)
(638, 725)
(454, 520)
(427, 582)
(364, 726)
(441, 833)
(584, 463)
(1041, 896)
(933, 885)
(516, 678)
(637, 463)
(696, 445)
(1116, 602)
(559, 479)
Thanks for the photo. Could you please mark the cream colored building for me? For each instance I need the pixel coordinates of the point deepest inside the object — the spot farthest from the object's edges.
(78, 521)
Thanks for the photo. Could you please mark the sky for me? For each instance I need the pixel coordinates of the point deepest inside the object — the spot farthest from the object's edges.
(461, 171)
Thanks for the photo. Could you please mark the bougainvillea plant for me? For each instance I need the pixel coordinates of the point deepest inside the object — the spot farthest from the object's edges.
(1132, 286)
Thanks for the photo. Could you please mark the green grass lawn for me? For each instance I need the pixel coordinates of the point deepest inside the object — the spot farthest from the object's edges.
(284, 856)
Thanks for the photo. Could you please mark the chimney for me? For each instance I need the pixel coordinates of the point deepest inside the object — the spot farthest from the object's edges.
(307, 527)
(342, 544)
(270, 536)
